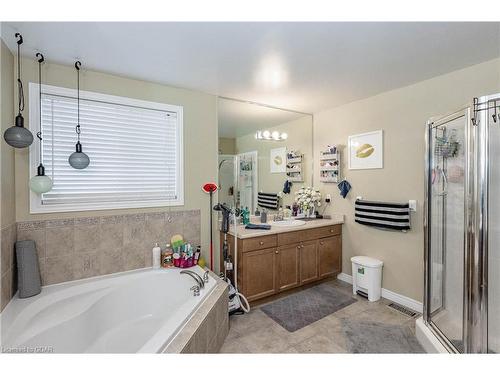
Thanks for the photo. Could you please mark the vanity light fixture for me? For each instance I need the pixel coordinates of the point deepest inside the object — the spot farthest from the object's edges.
(266, 135)
(18, 136)
(78, 159)
(40, 183)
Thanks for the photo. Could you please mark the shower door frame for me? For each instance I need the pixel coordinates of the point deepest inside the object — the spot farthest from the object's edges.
(427, 313)
(476, 181)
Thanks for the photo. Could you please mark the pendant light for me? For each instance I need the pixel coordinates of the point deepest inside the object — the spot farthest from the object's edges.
(40, 183)
(18, 136)
(78, 159)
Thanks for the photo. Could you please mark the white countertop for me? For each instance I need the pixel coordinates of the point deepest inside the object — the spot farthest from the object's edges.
(250, 233)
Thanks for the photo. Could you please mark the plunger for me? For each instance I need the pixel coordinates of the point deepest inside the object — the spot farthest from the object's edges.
(211, 188)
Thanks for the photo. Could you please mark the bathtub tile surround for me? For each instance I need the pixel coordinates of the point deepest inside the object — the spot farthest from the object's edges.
(207, 330)
(72, 249)
(8, 265)
(59, 237)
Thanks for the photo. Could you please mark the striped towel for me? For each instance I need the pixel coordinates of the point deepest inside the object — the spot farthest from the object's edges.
(268, 200)
(383, 215)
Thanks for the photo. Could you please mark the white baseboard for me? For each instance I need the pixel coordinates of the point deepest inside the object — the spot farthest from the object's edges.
(390, 295)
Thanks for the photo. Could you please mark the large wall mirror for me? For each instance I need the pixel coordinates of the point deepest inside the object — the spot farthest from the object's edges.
(264, 153)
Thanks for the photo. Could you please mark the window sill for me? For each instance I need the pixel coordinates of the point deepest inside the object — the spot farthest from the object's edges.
(103, 207)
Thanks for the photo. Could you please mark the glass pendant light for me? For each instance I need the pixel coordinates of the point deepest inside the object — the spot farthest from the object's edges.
(78, 159)
(40, 183)
(18, 136)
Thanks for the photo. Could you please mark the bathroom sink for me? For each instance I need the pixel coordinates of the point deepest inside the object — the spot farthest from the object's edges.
(288, 223)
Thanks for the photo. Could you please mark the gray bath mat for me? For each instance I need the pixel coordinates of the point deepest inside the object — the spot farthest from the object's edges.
(371, 337)
(303, 308)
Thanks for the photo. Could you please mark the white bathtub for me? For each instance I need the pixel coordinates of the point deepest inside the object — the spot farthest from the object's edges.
(136, 311)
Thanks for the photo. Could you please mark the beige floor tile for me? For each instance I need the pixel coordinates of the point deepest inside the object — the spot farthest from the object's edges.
(258, 333)
(251, 322)
(234, 346)
(319, 344)
(380, 313)
(291, 350)
(264, 340)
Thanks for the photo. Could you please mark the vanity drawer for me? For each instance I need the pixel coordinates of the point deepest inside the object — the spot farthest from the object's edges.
(290, 237)
(331, 230)
(258, 243)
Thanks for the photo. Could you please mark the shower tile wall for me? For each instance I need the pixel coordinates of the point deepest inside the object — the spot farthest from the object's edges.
(72, 249)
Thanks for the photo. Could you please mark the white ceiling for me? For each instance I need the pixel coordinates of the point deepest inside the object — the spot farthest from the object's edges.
(301, 66)
(237, 118)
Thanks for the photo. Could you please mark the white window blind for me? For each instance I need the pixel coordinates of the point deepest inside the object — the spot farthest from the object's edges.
(134, 152)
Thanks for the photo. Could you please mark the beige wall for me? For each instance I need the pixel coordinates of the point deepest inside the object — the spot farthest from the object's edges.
(299, 138)
(227, 146)
(402, 114)
(8, 203)
(200, 135)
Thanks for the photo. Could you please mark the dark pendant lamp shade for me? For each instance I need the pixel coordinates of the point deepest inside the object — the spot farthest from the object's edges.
(40, 183)
(78, 159)
(18, 136)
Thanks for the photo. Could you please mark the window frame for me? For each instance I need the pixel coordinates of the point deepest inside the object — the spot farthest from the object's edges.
(36, 206)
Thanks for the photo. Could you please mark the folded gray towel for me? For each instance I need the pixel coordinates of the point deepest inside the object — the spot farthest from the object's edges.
(258, 226)
(28, 271)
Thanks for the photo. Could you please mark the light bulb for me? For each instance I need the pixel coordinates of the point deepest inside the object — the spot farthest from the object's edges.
(18, 136)
(276, 135)
(284, 136)
(266, 134)
(79, 159)
(40, 183)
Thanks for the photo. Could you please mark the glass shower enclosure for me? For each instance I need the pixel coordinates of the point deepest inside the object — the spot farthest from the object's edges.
(462, 227)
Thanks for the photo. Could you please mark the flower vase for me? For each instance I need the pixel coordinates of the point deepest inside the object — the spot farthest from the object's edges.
(311, 212)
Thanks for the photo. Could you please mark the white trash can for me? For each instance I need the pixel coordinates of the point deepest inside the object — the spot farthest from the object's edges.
(367, 276)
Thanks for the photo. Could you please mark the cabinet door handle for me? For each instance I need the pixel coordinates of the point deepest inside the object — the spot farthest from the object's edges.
(321, 242)
(298, 247)
(331, 230)
(261, 243)
(276, 252)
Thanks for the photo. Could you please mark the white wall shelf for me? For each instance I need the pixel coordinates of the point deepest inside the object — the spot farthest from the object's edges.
(294, 166)
(329, 165)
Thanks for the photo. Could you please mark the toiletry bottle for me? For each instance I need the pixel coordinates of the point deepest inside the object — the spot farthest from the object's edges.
(246, 219)
(167, 260)
(156, 256)
(197, 255)
(263, 216)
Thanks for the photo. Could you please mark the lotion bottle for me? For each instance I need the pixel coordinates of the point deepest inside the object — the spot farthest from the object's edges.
(156, 256)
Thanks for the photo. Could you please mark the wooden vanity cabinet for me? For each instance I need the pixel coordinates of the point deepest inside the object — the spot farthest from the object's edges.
(288, 267)
(309, 262)
(274, 263)
(258, 273)
(330, 256)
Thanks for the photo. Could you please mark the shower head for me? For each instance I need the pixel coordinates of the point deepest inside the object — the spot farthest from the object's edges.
(222, 162)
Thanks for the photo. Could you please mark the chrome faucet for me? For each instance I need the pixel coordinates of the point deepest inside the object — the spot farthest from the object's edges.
(196, 277)
(206, 277)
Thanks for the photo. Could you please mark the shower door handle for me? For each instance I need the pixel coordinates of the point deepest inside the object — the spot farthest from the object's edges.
(445, 183)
